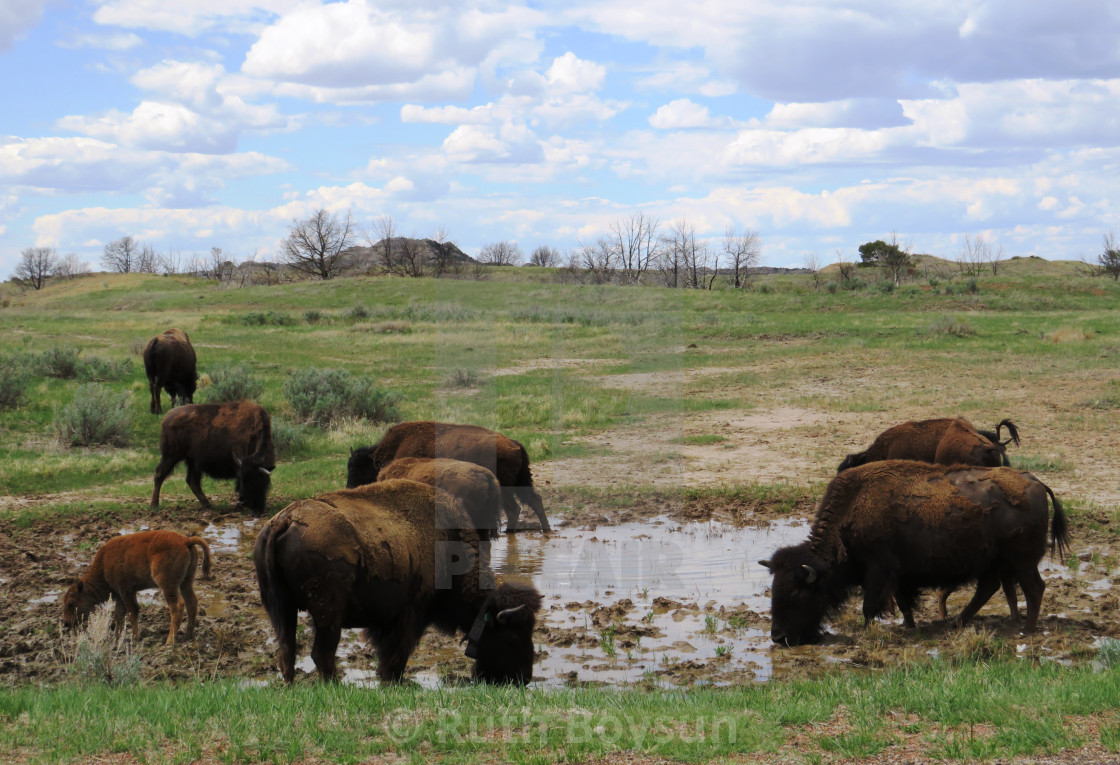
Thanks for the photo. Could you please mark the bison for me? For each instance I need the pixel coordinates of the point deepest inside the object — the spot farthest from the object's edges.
(474, 485)
(501, 455)
(378, 557)
(132, 562)
(946, 441)
(897, 526)
(170, 363)
(232, 440)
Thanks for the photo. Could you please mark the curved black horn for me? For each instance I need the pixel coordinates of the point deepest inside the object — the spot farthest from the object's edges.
(505, 615)
(767, 564)
(810, 573)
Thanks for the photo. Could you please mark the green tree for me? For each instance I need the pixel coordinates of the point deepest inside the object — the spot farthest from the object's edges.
(1110, 258)
(891, 255)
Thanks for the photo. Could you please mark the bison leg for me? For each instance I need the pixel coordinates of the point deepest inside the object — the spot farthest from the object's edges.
(906, 598)
(985, 589)
(512, 508)
(186, 591)
(194, 480)
(1011, 592)
(154, 386)
(876, 588)
(943, 602)
(118, 613)
(285, 623)
(327, 635)
(132, 608)
(394, 648)
(175, 606)
(530, 497)
(163, 470)
(1033, 587)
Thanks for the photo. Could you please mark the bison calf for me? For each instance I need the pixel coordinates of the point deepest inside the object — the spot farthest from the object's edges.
(170, 364)
(132, 562)
(898, 526)
(231, 440)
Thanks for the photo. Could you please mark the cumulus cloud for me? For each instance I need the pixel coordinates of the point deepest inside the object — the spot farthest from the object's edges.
(510, 144)
(112, 41)
(571, 74)
(16, 18)
(192, 18)
(682, 113)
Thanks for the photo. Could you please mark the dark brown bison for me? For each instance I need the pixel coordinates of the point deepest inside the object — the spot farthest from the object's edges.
(898, 526)
(472, 484)
(945, 441)
(394, 558)
(132, 562)
(232, 440)
(170, 363)
(501, 455)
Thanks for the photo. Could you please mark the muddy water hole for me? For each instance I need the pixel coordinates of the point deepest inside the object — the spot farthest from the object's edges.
(665, 593)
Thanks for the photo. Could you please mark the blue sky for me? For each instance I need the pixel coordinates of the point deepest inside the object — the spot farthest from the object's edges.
(820, 125)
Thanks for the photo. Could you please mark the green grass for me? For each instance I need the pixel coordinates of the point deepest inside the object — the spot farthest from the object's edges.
(965, 711)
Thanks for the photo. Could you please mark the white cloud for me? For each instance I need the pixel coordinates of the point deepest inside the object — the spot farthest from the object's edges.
(810, 146)
(510, 144)
(191, 18)
(16, 18)
(682, 113)
(447, 115)
(112, 41)
(571, 74)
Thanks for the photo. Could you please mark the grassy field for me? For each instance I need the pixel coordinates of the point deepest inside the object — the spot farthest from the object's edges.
(754, 395)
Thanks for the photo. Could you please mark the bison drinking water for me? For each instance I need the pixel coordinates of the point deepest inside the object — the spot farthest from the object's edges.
(378, 557)
(170, 364)
(501, 455)
(897, 526)
(473, 485)
(946, 441)
(232, 440)
(132, 562)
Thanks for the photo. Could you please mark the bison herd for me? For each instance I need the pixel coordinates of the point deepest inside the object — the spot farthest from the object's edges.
(929, 505)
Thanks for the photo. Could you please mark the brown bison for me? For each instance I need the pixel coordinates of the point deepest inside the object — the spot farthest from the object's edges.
(132, 562)
(501, 455)
(945, 441)
(898, 526)
(473, 485)
(394, 558)
(170, 363)
(232, 440)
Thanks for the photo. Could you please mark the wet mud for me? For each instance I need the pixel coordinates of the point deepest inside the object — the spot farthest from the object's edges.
(664, 592)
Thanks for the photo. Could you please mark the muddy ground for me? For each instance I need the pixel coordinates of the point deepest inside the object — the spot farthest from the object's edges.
(664, 592)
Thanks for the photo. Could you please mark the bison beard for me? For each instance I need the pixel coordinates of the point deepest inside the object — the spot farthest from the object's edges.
(377, 557)
(895, 527)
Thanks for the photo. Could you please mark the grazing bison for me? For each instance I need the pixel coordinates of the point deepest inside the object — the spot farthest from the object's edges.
(501, 455)
(232, 440)
(473, 485)
(897, 526)
(170, 363)
(945, 441)
(132, 562)
(378, 557)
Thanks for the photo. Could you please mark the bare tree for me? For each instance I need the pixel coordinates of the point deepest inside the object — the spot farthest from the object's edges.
(147, 259)
(995, 258)
(501, 254)
(1109, 259)
(443, 261)
(35, 266)
(594, 262)
(545, 256)
(685, 260)
(121, 255)
(219, 266)
(71, 267)
(897, 258)
(743, 252)
(171, 263)
(813, 266)
(314, 246)
(384, 232)
(636, 244)
(411, 256)
(845, 267)
(974, 255)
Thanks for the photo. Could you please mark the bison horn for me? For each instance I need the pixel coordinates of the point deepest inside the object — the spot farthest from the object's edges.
(509, 613)
(767, 564)
(236, 459)
(266, 471)
(810, 573)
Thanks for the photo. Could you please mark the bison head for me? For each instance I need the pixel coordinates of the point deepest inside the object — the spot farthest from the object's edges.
(501, 640)
(799, 597)
(77, 603)
(360, 468)
(254, 478)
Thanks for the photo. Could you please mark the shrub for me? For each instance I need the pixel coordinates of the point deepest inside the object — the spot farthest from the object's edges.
(99, 657)
(462, 378)
(832, 287)
(948, 325)
(313, 316)
(232, 382)
(885, 287)
(321, 396)
(59, 362)
(288, 438)
(14, 377)
(972, 286)
(1108, 653)
(262, 318)
(357, 313)
(96, 415)
(99, 370)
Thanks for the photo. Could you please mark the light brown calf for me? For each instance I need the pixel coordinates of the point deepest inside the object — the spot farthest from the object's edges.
(132, 562)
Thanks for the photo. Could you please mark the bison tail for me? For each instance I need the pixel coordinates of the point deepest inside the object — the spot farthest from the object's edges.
(1059, 529)
(852, 460)
(274, 595)
(1011, 430)
(201, 544)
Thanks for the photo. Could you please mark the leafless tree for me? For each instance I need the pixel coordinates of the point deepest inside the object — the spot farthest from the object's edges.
(974, 255)
(71, 267)
(845, 267)
(636, 244)
(121, 255)
(147, 259)
(813, 266)
(743, 251)
(35, 266)
(1109, 259)
(897, 258)
(315, 245)
(545, 256)
(685, 260)
(995, 258)
(595, 262)
(411, 256)
(170, 263)
(384, 232)
(501, 254)
(271, 273)
(443, 261)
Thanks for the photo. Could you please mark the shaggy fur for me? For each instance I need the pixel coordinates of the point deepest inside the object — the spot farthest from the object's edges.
(501, 455)
(132, 562)
(232, 440)
(473, 485)
(170, 364)
(897, 526)
(945, 441)
(379, 558)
